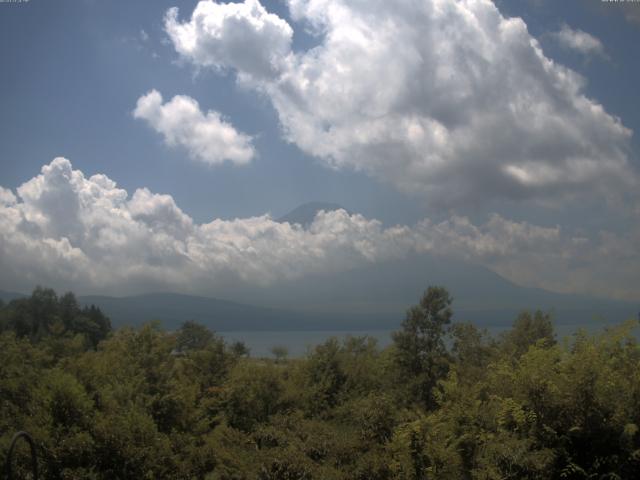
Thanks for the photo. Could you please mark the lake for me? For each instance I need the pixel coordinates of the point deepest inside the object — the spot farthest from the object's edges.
(299, 343)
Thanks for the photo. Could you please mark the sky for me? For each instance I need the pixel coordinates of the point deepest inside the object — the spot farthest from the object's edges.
(150, 145)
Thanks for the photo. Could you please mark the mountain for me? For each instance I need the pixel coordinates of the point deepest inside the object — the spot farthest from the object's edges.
(381, 292)
(368, 298)
(377, 295)
(6, 297)
(373, 296)
(304, 214)
(172, 309)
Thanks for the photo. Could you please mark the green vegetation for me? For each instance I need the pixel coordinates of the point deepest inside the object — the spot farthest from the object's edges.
(444, 401)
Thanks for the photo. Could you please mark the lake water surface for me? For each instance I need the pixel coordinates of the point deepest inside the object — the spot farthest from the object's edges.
(298, 343)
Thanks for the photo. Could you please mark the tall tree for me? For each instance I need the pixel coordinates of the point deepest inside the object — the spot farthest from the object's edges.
(193, 336)
(528, 330)
(421, 354)
(69, 310)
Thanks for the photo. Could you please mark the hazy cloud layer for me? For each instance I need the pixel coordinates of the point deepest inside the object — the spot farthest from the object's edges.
(206, 136)
(445, 99)
(579, 40)
(72, 231)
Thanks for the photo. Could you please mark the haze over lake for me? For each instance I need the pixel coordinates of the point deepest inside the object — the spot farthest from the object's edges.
(301, 343)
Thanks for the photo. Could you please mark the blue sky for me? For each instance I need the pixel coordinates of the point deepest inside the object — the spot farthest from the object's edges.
(73, 73)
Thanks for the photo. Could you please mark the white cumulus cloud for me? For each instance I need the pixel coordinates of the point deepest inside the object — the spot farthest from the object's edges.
(84, 233)
(442, 98)
(207, 137)
(579, 40)
(243, 36)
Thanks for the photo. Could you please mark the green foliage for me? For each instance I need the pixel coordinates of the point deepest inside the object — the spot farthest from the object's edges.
(528, 330)
(240, 349)
(44, 315)
(251, 395)
(280, 352)
(324, 377)
(420, 350)
(193, 336)
(145, 403)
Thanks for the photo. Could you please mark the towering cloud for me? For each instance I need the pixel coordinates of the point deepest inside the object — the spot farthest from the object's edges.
(243, 36)
(206, 136)
(441, 98)
(71, 231)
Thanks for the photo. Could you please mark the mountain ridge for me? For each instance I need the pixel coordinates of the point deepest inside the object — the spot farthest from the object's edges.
(369, 297)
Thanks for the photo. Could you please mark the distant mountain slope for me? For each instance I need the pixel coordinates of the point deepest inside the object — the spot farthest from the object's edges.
(385, 289)
(172, 309)
(382, 292)
(8, 296)
(304, 214)
(363, 299)
(373, 296)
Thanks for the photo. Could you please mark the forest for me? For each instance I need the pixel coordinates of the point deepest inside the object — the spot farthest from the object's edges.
(444, 401)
